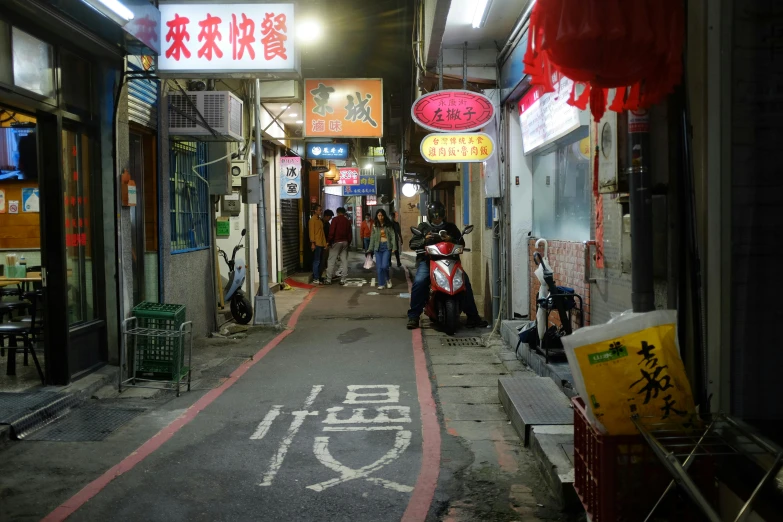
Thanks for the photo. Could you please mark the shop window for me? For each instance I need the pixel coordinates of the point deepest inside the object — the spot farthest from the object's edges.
(75, 81)
(78, 226)
(562, 191)
(190, 214)
(33, 64)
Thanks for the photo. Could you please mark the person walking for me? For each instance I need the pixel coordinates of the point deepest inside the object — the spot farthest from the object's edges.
(315, 229)
(327, 218)
(339, 238)
(366, 231)
(398, 231)
(383, 242)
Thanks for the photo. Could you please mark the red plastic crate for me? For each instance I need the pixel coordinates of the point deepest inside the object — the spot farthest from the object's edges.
(618, 478)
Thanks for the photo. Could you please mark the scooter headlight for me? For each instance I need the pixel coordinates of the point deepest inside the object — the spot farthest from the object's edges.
(459, 279)
(442, 281)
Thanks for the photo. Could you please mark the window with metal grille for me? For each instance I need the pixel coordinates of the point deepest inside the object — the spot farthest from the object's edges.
(189, 197)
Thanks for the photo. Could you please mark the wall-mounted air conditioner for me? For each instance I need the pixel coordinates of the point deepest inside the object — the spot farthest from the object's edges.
(221, 110)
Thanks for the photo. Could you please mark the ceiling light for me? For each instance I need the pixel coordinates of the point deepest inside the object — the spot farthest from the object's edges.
(480, 15)
(113, 9)
(368, 166)
(409, 190)
(292, 115)
(310, 30)
(299, 121)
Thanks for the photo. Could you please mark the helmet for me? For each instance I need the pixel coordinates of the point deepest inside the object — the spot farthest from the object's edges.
(434, 210)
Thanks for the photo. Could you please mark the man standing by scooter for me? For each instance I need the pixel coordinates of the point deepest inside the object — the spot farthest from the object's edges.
(436, 215)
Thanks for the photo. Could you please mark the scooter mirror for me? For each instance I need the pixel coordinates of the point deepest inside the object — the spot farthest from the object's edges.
(416, 231)
(468, 230)
(244, 231)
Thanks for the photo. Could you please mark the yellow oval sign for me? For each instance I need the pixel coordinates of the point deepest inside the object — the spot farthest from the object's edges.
(469, 147)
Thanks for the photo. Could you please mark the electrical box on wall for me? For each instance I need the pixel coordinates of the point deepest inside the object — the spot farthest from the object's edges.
(218, 173)
(231, 204)
(610, 179)
(238, 171)
(251, 190)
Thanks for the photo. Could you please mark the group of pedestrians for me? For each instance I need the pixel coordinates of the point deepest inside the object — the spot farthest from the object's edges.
(331, 236)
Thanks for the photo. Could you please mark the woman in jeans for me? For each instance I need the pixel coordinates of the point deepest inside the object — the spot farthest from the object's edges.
(383, 242)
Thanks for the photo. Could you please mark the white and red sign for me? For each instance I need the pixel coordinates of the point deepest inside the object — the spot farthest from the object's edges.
(348, 176)
(545, 117)
(215, 38)
(453, 110)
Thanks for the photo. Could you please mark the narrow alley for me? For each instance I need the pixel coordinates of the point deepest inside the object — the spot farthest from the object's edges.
(344, 415)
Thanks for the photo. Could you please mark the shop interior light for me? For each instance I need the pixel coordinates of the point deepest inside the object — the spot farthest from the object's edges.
(480, 15)
(113, 9)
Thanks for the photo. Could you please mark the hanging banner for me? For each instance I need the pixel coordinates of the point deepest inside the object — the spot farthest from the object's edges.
(221, 38)
(343, 108)
(367, 186)
(457, 148)
(327, 151)
(453, 110)
(291, 177)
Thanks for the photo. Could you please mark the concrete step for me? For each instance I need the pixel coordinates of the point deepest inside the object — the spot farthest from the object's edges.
(553, 447)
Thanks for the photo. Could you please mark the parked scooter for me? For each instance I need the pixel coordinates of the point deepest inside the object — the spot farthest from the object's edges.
(447, 281)
(241, 309)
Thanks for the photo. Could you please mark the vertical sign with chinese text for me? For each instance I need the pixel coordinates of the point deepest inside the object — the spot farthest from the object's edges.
(343, 108)
(214, 38)
(291, 177)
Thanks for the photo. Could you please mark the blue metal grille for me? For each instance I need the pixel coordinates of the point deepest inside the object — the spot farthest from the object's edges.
(189, 197)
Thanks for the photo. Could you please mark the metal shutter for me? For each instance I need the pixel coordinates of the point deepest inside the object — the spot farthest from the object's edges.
(289, 213)
(143, 101)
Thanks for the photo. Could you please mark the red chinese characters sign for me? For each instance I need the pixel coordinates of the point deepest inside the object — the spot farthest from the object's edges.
(215, 38)
(348, 176)
(453, 111)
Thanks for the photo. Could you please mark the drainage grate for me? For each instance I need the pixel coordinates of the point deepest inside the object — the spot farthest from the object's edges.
(27, 411)
(92, 422)
(476, 342)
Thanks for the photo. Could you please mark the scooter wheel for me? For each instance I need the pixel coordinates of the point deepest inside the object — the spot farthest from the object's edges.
(242, 310)
(451, 316)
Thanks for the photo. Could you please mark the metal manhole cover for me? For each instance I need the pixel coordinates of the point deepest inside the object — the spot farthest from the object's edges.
(88, 423)
(462, 341)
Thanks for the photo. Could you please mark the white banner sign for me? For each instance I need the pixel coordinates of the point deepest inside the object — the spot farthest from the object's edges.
(291, 177)
(545, 117)
(214, 38)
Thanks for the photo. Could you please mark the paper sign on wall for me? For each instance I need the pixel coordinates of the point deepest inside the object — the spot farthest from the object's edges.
(13, 207)
(2, 201)
(30, 200)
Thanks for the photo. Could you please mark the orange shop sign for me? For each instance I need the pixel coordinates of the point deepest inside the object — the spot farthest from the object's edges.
(343, 108)
(469, 147)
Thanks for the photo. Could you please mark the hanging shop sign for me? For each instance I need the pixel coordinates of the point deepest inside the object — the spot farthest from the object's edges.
(343, 108)
(453, 110)
(346, 176)
(145, 24)
(291, 177)
(545, 117)
(368, 185)
(227, 38)
(327, 151)
(372, 201)
(473, 147)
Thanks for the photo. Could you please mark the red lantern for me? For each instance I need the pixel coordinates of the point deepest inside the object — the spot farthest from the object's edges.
(632, 46)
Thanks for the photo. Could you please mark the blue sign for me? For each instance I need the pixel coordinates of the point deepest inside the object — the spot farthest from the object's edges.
(513, 71)
(327, 151)
(366, 187)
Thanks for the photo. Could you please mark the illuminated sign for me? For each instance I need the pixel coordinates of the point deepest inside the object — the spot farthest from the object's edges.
(347, 176)
(343, 108)
(545, 117)
(453, 111)
(457, 148)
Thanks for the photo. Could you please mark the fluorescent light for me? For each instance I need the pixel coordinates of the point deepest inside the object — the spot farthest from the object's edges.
(300, 121)
(292, 115)
(310, 30)
(113, 9)
(480, 15)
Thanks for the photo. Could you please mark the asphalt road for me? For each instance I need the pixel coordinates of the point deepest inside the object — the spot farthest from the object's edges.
(326, 426)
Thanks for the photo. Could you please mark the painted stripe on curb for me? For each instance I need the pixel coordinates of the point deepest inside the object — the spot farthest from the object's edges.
(74, 503)
(424, 491)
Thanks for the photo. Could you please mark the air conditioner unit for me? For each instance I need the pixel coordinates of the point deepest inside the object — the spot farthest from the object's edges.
(221, 110)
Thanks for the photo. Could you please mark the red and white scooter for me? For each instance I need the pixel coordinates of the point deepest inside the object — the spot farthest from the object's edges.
(447, 281)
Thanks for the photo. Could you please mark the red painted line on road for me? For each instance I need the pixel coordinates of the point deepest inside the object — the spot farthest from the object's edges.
(424, 491)
(297, 284)
(74, 503)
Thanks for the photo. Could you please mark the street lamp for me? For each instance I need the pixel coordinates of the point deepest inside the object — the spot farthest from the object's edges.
(310, 31)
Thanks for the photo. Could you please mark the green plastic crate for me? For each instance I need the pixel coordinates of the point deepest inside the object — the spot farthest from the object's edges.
(159, 356)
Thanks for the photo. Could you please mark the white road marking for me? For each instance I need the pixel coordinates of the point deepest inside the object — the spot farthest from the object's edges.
(321, 449)
(313, 394)
(389, 393)
(266, 423)
(373, 282)
(359, 418)
(362, 428)
(277, 459)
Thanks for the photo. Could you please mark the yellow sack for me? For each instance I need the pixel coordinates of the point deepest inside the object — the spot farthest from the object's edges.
(631, 366)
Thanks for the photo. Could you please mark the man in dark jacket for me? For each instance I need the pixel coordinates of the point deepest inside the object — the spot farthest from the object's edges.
(398, 231)
(327, 218)
(436, 213)
(339, 239)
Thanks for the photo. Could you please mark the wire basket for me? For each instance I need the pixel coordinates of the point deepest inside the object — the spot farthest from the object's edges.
(160, 352)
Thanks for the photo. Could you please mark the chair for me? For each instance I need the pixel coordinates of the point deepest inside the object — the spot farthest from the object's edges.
(28, 332)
